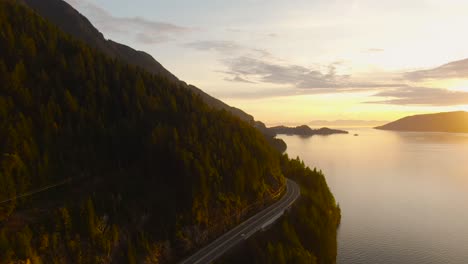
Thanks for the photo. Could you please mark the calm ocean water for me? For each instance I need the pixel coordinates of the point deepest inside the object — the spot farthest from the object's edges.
(403, 195)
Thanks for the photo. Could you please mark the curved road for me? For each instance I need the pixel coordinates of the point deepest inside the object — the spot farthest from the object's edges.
(241, 232)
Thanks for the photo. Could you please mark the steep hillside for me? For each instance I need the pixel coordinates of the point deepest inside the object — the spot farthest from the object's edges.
(307, 234)
(456, 122)
(151, 171)
(104, 162)
(72, 22)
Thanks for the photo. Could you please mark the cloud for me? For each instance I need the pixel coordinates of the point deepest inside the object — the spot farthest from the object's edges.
(266, 71)
(456, 69)
(215, 45)
(252, 33)
(237, 79)
(144, 30)
(251, 65)
(233, 30)
(261, 93)
(374, 50)
(422, 96)
(226, 48)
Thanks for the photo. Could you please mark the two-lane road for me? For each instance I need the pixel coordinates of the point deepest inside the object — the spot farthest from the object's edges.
(241, 232)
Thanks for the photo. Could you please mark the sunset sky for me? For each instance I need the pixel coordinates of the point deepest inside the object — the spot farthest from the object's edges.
(300, 60)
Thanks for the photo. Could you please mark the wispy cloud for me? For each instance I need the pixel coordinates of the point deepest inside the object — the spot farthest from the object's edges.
(221, 46)
(374, 50)
(250, 65)
(259, 67)
(237, 79)
(261, 93)
(267, 71)
(226, 48)
(144, 30)
(422, 96)
(455, 69)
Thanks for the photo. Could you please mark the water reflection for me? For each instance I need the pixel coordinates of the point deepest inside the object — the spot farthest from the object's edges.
(403, 195)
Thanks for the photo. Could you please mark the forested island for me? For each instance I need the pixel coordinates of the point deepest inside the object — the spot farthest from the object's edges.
(305, 130)
(134, 166)
(455, 122)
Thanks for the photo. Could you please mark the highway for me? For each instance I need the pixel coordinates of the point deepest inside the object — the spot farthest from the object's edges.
(247, 228)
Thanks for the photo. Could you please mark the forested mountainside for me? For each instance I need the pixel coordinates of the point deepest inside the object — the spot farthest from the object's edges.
(154, 171)
(307, 234)
(71, 21)
(117, 164)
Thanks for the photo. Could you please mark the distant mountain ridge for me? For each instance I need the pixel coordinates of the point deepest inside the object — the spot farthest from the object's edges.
(456, 122)
(305, 130)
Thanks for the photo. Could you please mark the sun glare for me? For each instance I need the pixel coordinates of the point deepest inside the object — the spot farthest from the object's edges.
(451, 84)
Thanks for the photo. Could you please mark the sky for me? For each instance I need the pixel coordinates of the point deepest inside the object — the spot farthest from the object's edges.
(295, 61)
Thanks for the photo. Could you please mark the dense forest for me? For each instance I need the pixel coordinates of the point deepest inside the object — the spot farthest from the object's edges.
(138, 168)
(307, 234)
(65, 17)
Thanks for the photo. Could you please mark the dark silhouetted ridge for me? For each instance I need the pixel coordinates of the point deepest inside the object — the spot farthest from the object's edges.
(305, 130)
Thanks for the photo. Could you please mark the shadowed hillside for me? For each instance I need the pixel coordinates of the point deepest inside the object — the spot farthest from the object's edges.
(104, 162)
(153, 169)
(71, 21)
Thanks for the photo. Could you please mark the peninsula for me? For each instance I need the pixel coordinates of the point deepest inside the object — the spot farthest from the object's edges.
(455, 122)
(305, 130)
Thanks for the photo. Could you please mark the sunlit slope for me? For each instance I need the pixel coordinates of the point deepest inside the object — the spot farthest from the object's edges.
(456, 122)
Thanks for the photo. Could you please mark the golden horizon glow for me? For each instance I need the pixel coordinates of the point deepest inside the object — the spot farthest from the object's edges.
(291, 110)
(269, 65)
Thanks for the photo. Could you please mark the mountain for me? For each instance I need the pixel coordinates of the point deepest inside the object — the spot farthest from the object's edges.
(305, 131)
(456, 122)
(105, 162)
(71, 21)
(151, 169)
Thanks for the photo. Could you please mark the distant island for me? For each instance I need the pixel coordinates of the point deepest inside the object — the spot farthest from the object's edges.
(305, 130)
(455, 122)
